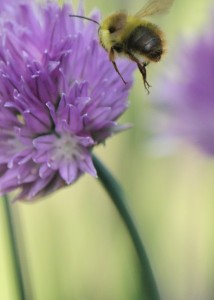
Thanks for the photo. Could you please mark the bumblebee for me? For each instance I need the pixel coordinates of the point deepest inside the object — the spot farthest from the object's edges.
(141, 41)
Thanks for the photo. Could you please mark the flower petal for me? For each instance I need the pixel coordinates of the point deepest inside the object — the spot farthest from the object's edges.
(68, 171)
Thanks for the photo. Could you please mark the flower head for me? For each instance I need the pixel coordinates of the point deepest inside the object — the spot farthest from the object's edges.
(186, 94)
(59, 97)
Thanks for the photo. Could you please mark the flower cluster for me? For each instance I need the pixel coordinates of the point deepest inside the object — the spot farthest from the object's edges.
(59, 96)
(186, 94)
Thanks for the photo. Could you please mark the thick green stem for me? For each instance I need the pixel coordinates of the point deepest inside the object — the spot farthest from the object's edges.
(117, 194)
(14, 248)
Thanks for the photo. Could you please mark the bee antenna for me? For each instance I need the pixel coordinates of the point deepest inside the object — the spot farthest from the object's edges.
(82, 17)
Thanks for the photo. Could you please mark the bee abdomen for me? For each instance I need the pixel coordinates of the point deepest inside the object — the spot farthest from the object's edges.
(145, 41)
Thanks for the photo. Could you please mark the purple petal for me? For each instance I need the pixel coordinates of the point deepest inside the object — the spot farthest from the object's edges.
(68, 171)
(87, 166)
(44, 142)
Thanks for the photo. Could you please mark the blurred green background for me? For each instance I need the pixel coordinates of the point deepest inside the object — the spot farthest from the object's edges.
(74, 244)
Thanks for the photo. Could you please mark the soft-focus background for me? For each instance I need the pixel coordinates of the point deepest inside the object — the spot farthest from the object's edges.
(74, 244)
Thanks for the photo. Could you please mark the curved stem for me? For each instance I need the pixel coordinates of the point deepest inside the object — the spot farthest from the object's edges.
(14, 248)
(117, 194)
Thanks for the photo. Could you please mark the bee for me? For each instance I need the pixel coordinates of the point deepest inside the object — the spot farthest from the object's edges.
(134, 37)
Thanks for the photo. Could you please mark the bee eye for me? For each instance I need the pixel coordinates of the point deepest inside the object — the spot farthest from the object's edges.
(112, 29)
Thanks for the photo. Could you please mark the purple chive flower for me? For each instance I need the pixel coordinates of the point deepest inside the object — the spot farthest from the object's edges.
(186, 94)
(59, 97)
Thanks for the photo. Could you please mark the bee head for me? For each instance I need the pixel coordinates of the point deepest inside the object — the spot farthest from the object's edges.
(116, 23)
(111, 28)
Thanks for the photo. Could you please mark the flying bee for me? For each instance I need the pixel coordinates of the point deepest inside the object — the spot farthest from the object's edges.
(141, 41)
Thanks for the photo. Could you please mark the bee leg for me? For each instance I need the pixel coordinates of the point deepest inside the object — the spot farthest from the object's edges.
(142, 68)
(112, 59)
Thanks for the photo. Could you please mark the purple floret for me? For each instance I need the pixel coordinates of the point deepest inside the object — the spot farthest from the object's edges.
(59, 97)
(186, 94)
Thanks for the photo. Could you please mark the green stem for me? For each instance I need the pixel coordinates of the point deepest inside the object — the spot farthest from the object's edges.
(117, 194)
(14, 248)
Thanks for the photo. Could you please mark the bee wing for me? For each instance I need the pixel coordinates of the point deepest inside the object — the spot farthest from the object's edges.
(154, 7)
